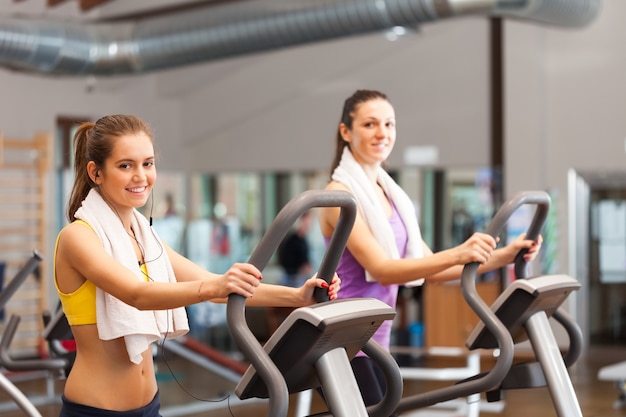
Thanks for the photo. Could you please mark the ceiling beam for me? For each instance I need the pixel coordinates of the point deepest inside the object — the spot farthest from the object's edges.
(52, 3)
(86, 5)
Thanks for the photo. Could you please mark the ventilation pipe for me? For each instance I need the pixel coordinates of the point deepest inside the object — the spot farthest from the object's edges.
(221, 31)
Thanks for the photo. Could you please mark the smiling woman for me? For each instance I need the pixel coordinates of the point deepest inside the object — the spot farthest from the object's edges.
(122, 287)
(385, 248)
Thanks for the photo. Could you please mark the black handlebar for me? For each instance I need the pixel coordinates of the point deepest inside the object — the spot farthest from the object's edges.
(235, 315)
(539, 198)
(542, 200)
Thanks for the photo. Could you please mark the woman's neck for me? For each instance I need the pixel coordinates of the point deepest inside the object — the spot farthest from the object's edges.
(125, 217)
(371, 171)
(125, 214)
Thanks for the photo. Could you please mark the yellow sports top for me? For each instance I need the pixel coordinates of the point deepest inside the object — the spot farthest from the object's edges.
(80, 306)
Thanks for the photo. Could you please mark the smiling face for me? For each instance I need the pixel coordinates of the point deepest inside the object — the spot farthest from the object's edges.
(128, 174)
(373, 132)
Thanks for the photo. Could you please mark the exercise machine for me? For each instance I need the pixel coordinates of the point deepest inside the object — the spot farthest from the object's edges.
(471, 406)
(313, 346)
(525, 308)
(26, 404)
(520, 313)
(299, 355)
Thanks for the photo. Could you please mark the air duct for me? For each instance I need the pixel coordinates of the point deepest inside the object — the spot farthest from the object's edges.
(221, 31)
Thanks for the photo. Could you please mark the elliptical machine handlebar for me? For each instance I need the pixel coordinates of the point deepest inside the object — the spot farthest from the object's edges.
(29, 267)
(245, 339)
(542, 200)
(22, 401)
(493, 378)
(10, 329)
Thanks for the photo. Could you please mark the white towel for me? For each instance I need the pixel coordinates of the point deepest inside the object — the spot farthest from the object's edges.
(351, 174)
(116, 318)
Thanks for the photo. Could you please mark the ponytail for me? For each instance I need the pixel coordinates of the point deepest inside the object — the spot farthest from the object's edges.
(82, 183)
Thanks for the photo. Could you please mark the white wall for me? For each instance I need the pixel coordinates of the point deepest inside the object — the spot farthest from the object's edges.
(565, 104)
(279, 110)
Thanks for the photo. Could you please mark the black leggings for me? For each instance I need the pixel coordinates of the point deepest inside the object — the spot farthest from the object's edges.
(370, 379)
(71, 409)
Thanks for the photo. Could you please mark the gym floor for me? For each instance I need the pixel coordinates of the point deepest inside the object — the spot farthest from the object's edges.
(180, 381)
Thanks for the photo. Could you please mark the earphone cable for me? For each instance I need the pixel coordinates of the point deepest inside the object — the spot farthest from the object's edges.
(164, 357)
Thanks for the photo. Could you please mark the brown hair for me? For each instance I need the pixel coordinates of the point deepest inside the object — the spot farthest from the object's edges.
(347, 117)
(94, 142)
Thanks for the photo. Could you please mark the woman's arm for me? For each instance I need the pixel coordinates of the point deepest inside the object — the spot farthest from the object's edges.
(442, 266)
(498, 259)
(283, 296)
(369, 253)
(261, 295)
(81, 254)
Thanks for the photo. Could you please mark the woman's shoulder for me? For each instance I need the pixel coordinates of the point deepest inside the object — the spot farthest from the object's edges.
(75, 229)
(336, 185)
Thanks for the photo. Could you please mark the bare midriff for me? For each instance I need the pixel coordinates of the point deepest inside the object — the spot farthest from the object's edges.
(103, 376)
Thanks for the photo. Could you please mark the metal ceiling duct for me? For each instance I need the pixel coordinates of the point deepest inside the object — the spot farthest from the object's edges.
(220, 31)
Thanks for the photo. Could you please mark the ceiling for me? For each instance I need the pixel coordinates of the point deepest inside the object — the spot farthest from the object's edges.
(108, 37)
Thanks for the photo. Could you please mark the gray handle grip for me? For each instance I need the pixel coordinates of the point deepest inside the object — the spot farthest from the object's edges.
(235, 311)
(468, 282)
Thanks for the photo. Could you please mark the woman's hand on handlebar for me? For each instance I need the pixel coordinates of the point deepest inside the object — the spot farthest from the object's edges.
(521, 243)
(477, 248)
(307, 290)
(241, 278)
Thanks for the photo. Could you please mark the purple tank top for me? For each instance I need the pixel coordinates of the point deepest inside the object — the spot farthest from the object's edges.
(354, 285)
